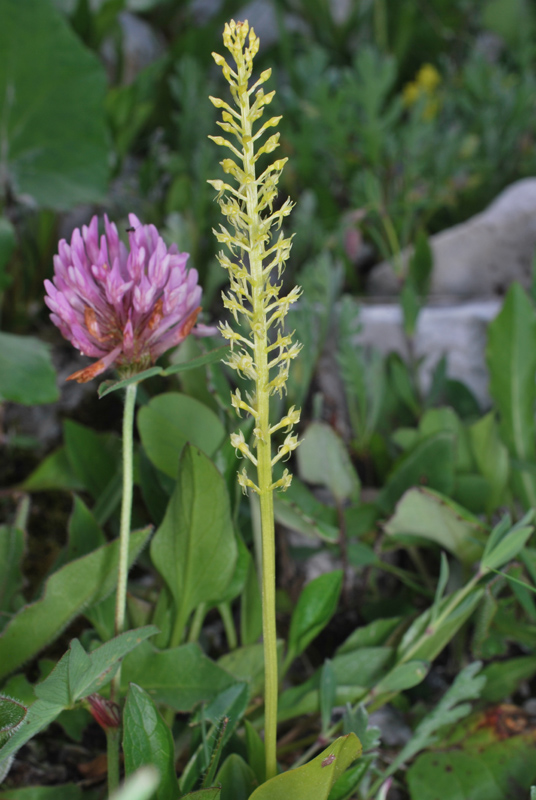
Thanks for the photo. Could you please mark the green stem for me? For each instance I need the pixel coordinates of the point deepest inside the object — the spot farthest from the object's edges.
(228, 624)
(197, 622)
(126, 514)
(177, 634)
(269, 635)
(112, 742)
(380, 25)
(394, 244)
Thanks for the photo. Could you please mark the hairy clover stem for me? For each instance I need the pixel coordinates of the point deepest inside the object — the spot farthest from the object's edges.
(262, 351)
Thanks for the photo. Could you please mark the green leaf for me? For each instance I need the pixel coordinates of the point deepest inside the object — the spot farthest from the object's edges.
(480, 758)
(255, 752)
(113, 386)
(229, 704)
(223, 712)
(7, 246)
(26, 372)
(213, 793)
(500, 551)
(421, 264)
(95, 457)
(345, 786)
(195, 548)
(315, 607)
(180, 677)
(511, 358)
(402, 677)
(409, 301)
(67, 791)
(11, 577)
(491, 457)
(425, 639)
(85, 534)
(237, 583)
(355, 673)
(300, 510)
(148, 740)
(401, 383)
(54, 472)
(236, 778)
(316, 778)
(12, 715)
(372, 635)
(89, 673)
(54, 689)
(55, 141)
(323, 459)
(207, 358)
(435, 517)
(356, 720)
(66, 593)
(246, 664)
(251, 607)
(437, 420)
(503, 677)
(452, 707)
(430, 462)
(362, 371)
(363, 667)
(328, 693)
(169, 421)
(39, 715)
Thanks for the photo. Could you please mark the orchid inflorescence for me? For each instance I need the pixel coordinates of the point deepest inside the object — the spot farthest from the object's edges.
(263, 354)
(125, 307)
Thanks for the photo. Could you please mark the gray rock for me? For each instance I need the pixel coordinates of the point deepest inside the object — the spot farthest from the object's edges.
(141, 45)
(455, 331)
(481, 257)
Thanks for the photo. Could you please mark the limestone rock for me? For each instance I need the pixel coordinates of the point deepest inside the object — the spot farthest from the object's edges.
(480, 257)
(458, 332)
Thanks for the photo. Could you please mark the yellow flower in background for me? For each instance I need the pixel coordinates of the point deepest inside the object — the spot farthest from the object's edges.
(424, 86)
(428, 78)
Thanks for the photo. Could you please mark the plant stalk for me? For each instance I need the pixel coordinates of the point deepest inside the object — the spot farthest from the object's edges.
(264, 446)
(126, 515)
(112, 742)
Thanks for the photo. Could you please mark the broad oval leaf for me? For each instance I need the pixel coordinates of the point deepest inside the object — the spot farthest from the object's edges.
(195, 548)
(316, 605)
(429, 463)
(181, 677)
(169, 421)
(148, 740)
(67, 592)
(236, 778)
(323, 459)
(54, 137)
(511, 359)
(315, 779)
(26, 372)
(435, 517)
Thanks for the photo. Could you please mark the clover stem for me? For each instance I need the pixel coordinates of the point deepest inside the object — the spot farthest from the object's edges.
(126, 514)
(112, 741)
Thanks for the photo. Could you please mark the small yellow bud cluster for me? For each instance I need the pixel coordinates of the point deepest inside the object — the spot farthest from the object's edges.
(425, 86)
(262, 352)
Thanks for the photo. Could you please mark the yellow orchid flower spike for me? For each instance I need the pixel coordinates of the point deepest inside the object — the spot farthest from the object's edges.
(260, 349)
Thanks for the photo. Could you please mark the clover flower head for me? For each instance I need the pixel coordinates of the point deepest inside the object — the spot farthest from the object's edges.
(123, 306)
